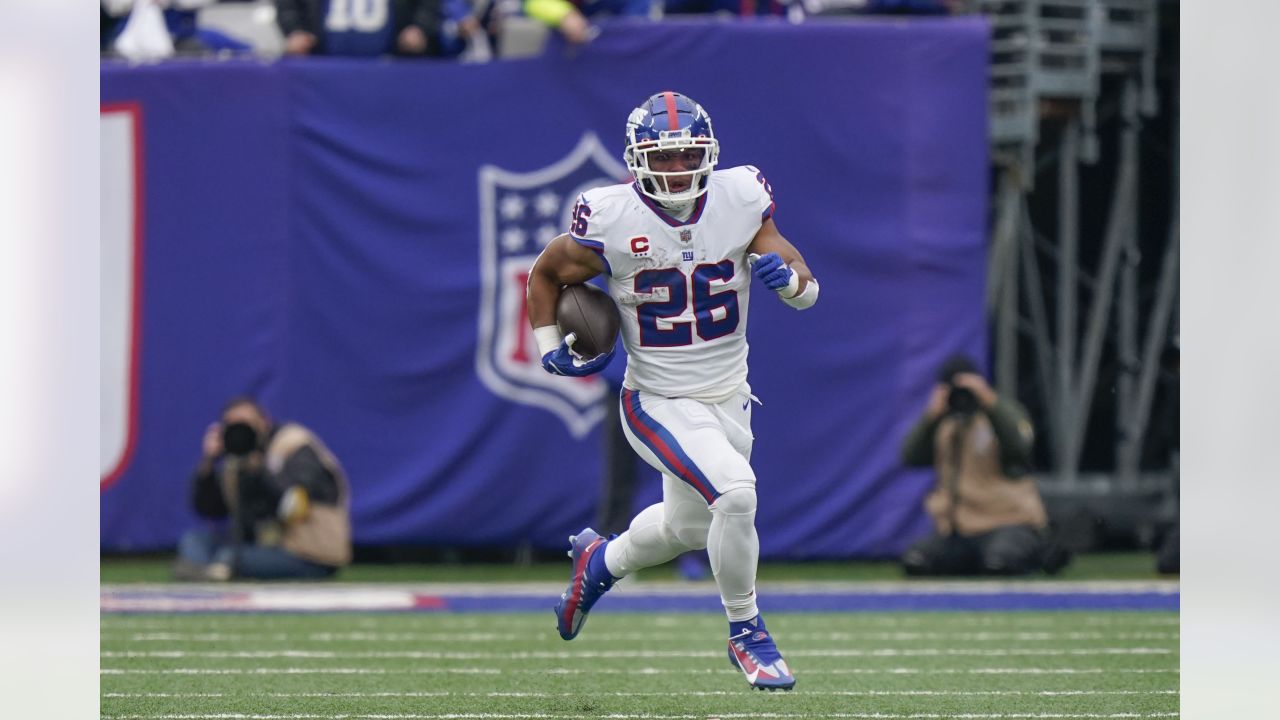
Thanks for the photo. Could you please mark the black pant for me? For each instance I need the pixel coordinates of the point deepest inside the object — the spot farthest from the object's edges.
(620, 475)
(1010, 550)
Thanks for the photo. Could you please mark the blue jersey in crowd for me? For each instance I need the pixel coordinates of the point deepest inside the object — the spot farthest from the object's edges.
(358, 27)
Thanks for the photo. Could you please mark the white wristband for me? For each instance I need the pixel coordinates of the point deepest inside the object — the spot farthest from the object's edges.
(805, 299)
(548, 338)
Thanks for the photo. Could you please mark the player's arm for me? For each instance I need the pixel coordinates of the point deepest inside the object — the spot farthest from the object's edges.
(563, 262)
(781, 267)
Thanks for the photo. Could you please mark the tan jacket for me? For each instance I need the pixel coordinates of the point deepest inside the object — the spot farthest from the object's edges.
(982, 496)
(323, 534)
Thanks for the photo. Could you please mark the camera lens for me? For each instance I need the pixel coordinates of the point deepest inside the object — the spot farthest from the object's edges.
(239, 438)
(962, 400)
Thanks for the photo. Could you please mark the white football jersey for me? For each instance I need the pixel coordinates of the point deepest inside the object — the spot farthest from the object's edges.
(682, 287)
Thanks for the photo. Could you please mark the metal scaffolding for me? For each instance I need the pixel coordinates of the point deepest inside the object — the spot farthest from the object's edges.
(1049, 59)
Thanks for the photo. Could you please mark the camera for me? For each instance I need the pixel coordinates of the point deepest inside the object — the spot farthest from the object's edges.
(962, 401)
(239, 438)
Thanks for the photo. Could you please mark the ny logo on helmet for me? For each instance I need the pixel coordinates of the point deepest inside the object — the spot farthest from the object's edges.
(520, 213)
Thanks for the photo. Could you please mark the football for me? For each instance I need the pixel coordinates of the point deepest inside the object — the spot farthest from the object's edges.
(588, 312)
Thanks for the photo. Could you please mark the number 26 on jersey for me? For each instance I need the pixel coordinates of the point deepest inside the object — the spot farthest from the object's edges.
(715, 313)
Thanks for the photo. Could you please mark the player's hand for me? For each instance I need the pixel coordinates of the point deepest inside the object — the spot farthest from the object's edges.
(771, 270)
(564, 361)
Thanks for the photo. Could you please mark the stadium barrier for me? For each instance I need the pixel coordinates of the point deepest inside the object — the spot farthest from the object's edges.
(347, 240)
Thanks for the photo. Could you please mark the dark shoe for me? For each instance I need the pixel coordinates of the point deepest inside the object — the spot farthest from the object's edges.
(585, 585)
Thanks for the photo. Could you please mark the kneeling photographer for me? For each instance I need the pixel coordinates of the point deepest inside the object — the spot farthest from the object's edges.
(285, 496)
(987, 514)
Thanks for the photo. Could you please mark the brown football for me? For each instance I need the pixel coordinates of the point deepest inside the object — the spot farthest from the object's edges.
(588, 312)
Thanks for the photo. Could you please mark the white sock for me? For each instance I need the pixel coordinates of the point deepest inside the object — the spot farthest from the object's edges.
(734, 549)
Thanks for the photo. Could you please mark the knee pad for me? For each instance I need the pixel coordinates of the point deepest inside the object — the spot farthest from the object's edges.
(739, 500)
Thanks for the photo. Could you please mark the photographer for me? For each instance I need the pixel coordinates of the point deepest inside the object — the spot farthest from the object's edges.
(284, 492)
(987, 514)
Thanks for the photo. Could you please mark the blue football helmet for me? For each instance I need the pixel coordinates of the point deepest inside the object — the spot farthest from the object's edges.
(670, 124)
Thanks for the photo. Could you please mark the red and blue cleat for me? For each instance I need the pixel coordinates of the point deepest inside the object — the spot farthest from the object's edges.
(590, 580)
(751, 650)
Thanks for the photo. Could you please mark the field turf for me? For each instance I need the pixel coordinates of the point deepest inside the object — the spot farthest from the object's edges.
(1070, 664)
(121, 570)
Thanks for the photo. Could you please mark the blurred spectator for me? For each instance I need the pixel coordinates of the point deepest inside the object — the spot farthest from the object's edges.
(106, 28)
(570, 17)
(912, 7)
(881, 7)
(462, 35)
(987, 513)
(738, 8)
(155, 29)
(284, 492)
(368, 28)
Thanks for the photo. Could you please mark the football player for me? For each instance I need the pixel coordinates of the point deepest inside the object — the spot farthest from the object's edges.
(679, 246)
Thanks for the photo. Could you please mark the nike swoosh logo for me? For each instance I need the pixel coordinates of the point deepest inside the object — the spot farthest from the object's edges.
(746, 404)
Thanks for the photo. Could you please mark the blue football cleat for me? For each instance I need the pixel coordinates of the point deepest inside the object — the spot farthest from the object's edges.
(752, 651)
(586, 585)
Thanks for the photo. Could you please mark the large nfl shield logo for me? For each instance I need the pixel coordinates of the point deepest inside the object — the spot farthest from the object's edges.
(520, 213)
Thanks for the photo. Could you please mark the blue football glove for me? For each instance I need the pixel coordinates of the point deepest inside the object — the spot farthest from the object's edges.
(771, 270)
(564, 361)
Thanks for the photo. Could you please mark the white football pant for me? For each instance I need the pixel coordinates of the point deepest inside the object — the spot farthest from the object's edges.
(708, 491)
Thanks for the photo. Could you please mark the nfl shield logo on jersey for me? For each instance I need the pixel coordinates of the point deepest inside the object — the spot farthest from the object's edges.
(520, 213)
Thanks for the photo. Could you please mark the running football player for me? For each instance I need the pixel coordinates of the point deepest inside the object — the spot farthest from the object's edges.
(679, 246)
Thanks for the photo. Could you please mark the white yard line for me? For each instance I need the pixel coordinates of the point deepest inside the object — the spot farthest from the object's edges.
(513, 623)
(553, 588)
(622, 654)
(653, 716)
(482, 637)
(625, 671)
(489, 622)
(691, 693)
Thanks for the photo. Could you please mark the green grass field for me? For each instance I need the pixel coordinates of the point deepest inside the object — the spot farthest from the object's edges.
(850, 665)
(1097, 566)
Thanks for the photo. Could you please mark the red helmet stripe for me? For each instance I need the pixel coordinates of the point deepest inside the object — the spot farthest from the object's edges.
(673, 123)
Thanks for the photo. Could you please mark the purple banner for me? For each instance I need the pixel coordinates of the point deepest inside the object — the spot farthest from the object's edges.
(346, 239)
